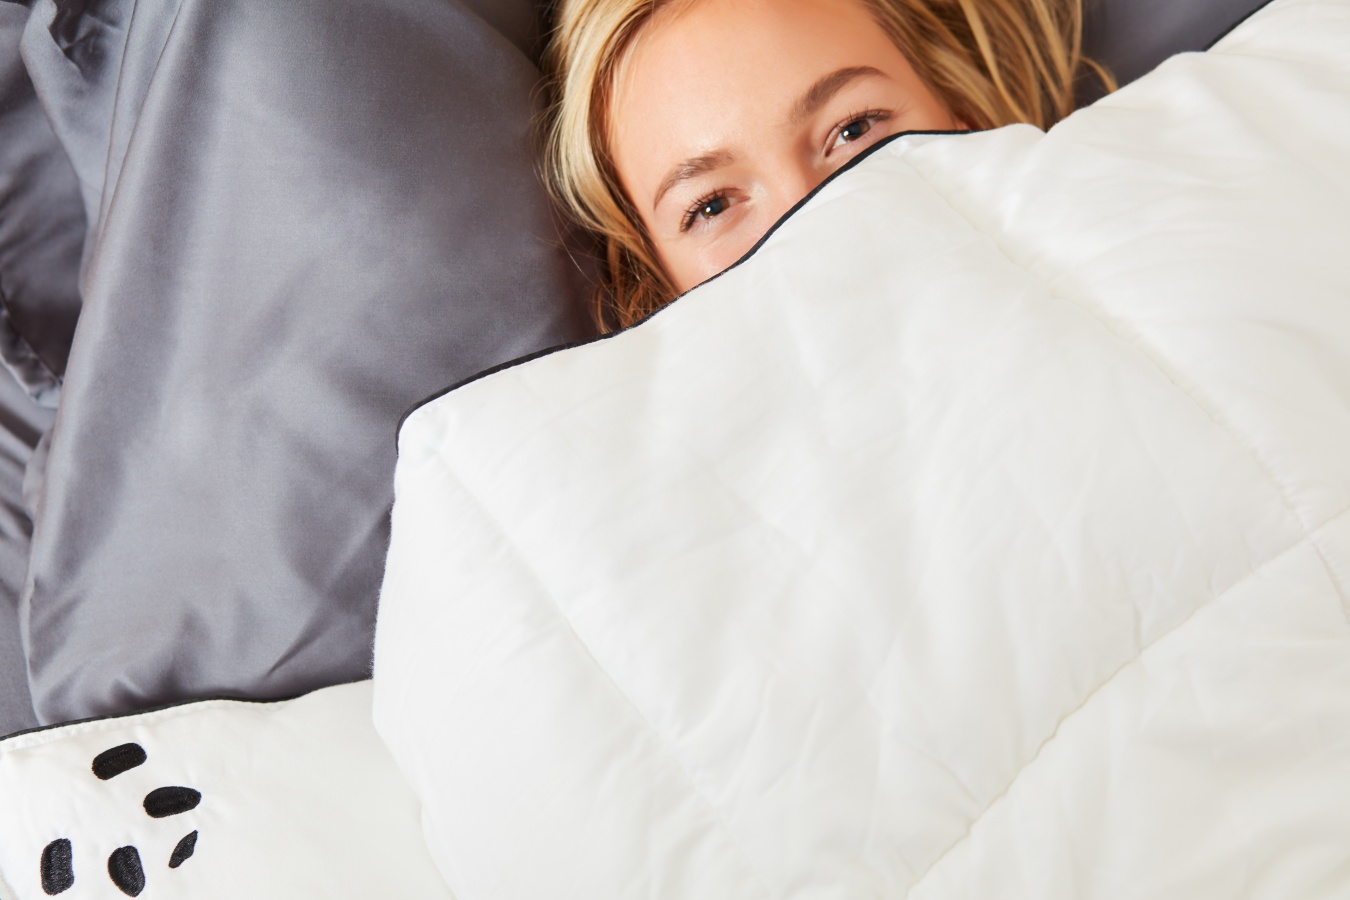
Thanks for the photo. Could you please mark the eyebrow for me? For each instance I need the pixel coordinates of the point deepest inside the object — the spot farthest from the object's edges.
(825, 88)
(692, 168)
(816, 96)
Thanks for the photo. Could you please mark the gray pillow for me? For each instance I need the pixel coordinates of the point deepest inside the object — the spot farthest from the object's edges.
(305, 216)
(1131, 37)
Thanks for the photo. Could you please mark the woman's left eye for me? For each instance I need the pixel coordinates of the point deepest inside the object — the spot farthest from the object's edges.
(855, 128)
(705, 210)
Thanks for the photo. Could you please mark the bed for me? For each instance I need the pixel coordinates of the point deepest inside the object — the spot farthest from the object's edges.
(205, 466)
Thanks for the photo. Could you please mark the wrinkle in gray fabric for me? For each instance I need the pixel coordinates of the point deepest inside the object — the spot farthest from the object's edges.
(22, 424)
(42, 228)
(308, 216)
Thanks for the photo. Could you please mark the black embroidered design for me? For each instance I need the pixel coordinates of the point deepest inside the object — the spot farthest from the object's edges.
(184, 849)
(122, 758)
(57, 865)
(58, 872)
(124, 866)
(170, 801)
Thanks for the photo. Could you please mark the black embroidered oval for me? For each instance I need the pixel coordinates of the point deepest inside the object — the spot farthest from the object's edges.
(124, 866)
(58, 867)
(170, 801)
(111, 763)
(184, 849)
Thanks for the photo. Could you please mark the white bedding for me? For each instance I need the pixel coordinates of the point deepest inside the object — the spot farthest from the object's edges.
(217, 800)
(985, 534)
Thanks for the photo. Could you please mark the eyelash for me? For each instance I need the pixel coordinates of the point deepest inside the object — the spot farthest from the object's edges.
(691, 214)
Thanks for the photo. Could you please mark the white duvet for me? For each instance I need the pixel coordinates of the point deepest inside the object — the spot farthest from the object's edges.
(985, 534)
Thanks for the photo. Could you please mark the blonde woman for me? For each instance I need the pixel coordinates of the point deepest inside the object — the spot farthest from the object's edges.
(681, 130)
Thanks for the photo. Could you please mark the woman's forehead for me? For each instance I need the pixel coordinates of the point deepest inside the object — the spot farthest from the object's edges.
(716, 71)
(728, 53)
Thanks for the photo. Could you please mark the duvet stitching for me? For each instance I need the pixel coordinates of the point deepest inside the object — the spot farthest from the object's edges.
(661, 742)
(1141, 347)
(890, 732)
(1143, 350)
(1309, 533)
(1204, 605)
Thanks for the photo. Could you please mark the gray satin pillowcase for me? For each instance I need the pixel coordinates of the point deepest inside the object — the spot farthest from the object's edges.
(305, 216)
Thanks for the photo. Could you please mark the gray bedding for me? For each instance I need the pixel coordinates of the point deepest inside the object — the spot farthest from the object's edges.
(301, 219)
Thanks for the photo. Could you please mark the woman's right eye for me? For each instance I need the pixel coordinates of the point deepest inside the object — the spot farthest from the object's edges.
(705, 209)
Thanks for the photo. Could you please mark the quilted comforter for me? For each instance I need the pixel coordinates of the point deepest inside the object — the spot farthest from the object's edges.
(985, 533)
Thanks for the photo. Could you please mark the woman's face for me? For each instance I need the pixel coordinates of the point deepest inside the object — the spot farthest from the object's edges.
(727, 112)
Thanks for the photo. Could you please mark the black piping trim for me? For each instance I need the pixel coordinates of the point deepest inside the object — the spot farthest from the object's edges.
(1236, 25)
(174, 705)
(547, 351)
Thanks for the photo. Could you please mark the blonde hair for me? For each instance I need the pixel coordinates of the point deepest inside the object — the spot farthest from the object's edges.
(993, 62)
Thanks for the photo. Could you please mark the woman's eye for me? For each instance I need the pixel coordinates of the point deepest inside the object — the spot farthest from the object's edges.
(714, 207)
(855, 128)
(706, 210)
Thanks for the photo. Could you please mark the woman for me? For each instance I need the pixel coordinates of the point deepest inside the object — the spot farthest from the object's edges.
(681, 130)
